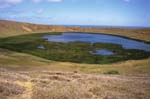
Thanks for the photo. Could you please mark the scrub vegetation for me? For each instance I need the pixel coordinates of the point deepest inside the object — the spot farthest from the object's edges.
(111, 72)
(78, 52)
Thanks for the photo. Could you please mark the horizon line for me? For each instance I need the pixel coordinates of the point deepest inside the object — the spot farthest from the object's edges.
(82, 25)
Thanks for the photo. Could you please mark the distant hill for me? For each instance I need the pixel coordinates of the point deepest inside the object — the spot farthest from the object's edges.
(11, 28)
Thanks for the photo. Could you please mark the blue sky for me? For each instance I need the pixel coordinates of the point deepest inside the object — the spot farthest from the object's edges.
(78, 12)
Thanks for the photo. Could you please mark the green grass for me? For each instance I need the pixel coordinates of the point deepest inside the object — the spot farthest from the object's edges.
(69, 52)
(111, 72)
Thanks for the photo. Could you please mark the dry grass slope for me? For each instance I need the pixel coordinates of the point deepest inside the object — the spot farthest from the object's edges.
(69, 85)
(10, 28)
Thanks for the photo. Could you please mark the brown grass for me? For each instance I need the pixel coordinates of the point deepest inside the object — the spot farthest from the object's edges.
(10, 28)
(9, 89)
(69, 85)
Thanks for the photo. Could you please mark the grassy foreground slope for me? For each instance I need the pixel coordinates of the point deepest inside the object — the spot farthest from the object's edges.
(24, 76)
(44, 84)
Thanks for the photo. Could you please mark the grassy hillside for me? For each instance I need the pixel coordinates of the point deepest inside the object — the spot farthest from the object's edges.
(44, 84)
(20, 61)
(10, 28)
(24, 76)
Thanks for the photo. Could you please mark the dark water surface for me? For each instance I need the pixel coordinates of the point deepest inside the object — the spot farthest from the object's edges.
(98, 38)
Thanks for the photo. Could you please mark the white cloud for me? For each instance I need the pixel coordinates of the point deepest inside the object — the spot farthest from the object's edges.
(8, 3)
(51, 1)
(55, 0)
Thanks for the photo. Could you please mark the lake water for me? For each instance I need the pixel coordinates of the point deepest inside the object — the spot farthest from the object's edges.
(98, 38)
(102, 52)
(41, 47)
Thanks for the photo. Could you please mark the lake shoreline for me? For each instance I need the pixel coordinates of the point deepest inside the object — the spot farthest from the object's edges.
(11, 28)
(77, 52)
(147, 42)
